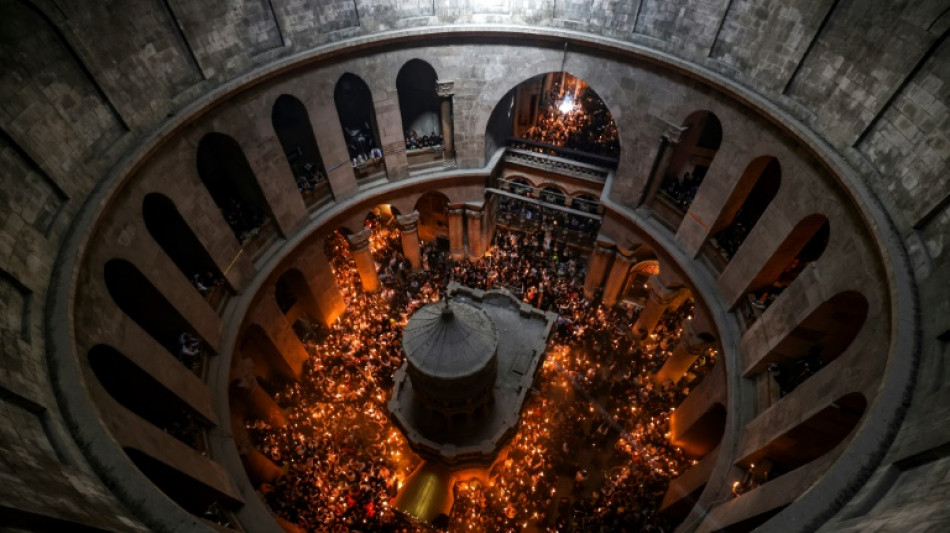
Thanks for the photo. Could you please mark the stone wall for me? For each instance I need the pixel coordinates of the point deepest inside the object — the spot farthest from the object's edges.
(84, 85)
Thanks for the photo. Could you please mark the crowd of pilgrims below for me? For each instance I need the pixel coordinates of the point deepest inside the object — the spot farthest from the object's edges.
(592, 451)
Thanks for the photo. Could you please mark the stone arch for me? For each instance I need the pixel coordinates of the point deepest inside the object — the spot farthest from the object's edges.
(803, 245)
(357, 113)
(138, 298)
(139, 392)
(291, 123)
(188, 492)
(700, 139)
(419, 102)
(228, 177)
(816, 341)
(750, 198)
(433, 217)
(269, 366)
(805, 442)
(635, 286)
(558, 93)
(553, 193)
(173, 234)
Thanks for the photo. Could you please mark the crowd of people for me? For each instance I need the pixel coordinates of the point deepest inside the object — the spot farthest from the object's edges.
(245, 220)
(592, 451)
(555, 223)
(583, 124)
(681, 190)
(415, 142)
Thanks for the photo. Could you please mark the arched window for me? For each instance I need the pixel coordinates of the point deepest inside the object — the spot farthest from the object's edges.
(269, 365)
(188, 492)
(689, 163)
(226, 174)
(555, 114)
(803, 246)
(292, 125)
(635, 287)
(587, 203)
(146, 306)
(804, 443)
(553, 195)
(166, 225)
(751, 197)
(354, 106)
(139, 392)
(815, 342)
(433, 219)
(419, 105)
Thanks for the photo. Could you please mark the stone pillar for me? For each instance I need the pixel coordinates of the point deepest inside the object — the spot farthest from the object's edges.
(391, 136)
(409, 233)
(692, 344)
(661, 298)
(616, 277)
(597, 267)
(260, 468)
(668, 141)
(257, 403)
(446, 89)
(456, 231)
(475, 215)
(363, 257)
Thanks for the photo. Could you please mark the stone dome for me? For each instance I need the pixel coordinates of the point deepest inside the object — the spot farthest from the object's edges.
(452, 350)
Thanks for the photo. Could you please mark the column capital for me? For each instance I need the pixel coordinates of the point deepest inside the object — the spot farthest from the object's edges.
(455, 211)
(409, 222)
(661, 293)
(445, 88)
(673, 133)
(358, 241)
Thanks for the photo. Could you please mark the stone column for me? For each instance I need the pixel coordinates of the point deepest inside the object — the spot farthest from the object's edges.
(409, 233)
(260, 468)
(692, 344)
(668, 141)
(257, 403)
(616, 277)
(456, 231)
(475, 215)
(363, 257)
(597, 266)
(446, 89)
(391, 136)
(661, 298)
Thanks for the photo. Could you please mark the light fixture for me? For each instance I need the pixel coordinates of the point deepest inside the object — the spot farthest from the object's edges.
(566, 105)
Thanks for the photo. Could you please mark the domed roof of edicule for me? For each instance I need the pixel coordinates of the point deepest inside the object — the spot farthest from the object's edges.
(449, 340)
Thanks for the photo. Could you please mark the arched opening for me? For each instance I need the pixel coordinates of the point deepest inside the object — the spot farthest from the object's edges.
(191, 494)
(166, 225)
(702, 436)
(296, 300)
(433, 218)
(553, 195)
(587, 203)
(139, 392)
(291, 123)
(420, 106)
(226, 174)
(815, 342)
(555, 114)
(751, 197)
(804, 443)
(803, 246)
(689, 161)
(146, 306)
(636, 289)
(269, 366)
(354, 106)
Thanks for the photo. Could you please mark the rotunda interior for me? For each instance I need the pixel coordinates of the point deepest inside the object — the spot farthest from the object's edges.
(218, 218)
